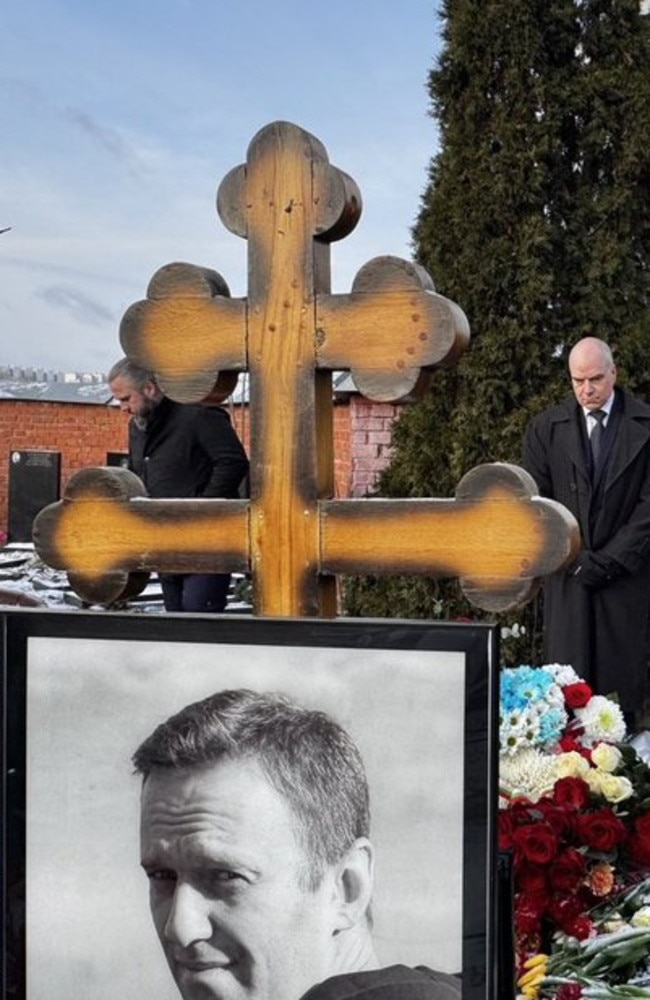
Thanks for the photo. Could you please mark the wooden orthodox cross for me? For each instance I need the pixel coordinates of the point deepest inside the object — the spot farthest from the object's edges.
(391, 331)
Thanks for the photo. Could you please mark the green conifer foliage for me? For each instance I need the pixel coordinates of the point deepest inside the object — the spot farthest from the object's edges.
(536, 220)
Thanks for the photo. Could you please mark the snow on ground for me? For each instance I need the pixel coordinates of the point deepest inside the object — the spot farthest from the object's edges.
(26, 581)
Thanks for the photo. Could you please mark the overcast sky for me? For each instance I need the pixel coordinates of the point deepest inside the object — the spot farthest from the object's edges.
(119, 120)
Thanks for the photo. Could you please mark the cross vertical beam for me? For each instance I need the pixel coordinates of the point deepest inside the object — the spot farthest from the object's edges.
(290, 403)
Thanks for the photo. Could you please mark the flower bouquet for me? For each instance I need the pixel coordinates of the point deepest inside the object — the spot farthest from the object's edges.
(614, 963)
(575, 815)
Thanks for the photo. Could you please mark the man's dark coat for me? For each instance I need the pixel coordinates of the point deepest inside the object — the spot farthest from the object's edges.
(187, 451)
(596, 612)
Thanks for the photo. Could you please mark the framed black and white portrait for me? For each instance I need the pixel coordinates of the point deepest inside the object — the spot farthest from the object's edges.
(83, 689)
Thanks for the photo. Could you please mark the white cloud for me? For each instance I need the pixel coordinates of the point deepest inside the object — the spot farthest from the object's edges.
(117, 137)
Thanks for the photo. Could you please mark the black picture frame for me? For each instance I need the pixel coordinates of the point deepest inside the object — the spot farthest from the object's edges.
(82, 689)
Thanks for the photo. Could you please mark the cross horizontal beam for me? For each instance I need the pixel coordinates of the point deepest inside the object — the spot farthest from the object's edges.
(496, 536)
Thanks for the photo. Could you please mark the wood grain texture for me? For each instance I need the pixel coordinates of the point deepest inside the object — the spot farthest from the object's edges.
(391, 331)
(291, 462)
(189, 332)
(427, 331)
(497, 538)
(108, 536)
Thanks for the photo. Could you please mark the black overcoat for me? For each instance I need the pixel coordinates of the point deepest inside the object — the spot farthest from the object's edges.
(603, 632)
(187, 451)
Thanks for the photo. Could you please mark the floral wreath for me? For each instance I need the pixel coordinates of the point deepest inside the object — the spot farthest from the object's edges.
(574, 814)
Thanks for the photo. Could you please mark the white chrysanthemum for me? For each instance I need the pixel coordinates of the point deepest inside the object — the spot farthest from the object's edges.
(601, 719)
(528, 772)
(562, 673)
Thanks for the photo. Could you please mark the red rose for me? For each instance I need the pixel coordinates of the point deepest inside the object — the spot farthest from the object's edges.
(529, 911)
(570, 991)
(581, 928)
(601, 829)
(638, 843)
(536, 842)
(642, 825)
(577, 695)
(572, 793)
(532, 880)
(506, 826)
(569, 743)
(522, 810)
(563, 908)
(567, 871)
(557, 817)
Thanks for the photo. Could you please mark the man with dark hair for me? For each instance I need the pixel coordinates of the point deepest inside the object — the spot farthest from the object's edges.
(255, 840)
(180, 451)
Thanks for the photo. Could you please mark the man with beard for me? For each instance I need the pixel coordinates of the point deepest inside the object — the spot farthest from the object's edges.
(180, 451)
(255, 840)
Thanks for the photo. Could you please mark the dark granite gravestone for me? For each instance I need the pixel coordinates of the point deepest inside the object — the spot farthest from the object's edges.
(34, 482)
(117, 458)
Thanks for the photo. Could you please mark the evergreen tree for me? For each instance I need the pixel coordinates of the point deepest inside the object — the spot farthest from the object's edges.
(535, 220)
(610, 227)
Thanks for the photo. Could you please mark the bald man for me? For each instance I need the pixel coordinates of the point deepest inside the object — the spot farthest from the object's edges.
(592, 454)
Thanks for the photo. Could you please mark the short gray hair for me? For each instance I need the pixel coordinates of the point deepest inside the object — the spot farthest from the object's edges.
(307, 757)
(135, 374)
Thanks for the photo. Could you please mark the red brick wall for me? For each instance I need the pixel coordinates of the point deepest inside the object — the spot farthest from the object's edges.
(371, 426)
(241, 422)
(362, 434)
(342, 452)
(84, 433)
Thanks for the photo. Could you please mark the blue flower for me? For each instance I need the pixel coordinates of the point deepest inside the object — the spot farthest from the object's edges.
(532, 710)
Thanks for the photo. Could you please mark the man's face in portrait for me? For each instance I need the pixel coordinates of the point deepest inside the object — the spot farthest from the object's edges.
(227, 878)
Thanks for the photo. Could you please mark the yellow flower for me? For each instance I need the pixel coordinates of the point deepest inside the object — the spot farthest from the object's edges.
(532, 978)
(534, 961)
